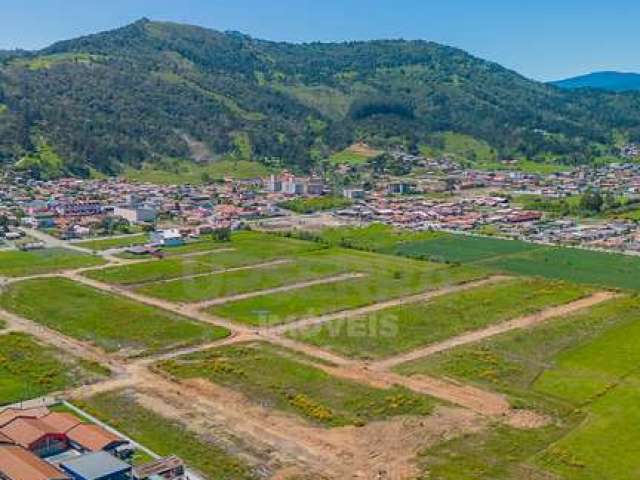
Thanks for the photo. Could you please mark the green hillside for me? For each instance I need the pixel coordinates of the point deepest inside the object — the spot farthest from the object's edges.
(151, 91)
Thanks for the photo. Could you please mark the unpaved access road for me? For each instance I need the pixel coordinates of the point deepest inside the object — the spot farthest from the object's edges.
(493, 330)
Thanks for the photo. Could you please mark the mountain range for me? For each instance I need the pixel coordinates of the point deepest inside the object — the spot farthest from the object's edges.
(611, 81)
(154, 90)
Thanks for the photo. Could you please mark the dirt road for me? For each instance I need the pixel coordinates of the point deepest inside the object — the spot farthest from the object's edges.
(376, 307)
(493, 330)
(282, 289)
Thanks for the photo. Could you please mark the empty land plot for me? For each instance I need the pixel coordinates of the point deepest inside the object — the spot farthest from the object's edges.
(224, 284)
(436, 246)
(601, 376)
(109, 243)
(165, 436)
(245, 249)
(111, 322)
(22, 264)
(29, 369)
(251, 243)
(461, 248)
(385, 278)
(269, 374)
(607, 444)
(587, 359)
(583, 266)
(514, 361)
(407, 327)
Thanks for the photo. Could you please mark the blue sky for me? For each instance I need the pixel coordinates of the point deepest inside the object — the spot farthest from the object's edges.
(543, 39)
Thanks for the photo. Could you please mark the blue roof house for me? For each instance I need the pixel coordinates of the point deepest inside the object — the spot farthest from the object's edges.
(97, 466)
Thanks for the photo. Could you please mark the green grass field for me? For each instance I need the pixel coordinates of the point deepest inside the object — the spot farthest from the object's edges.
(29, 369)
(108, 243)
(182, 172)
(244, 249)
(312, 266)
(583, 266)
(608, 270)
(385, 277)
(585, 363)
(165, 436)
(269, 374)
(347, 157)
(436, 246)
(462, 248)
(315, 204)
(607, 443)
(407, 327)
(111, 322)
(376, 237)
(22, 264)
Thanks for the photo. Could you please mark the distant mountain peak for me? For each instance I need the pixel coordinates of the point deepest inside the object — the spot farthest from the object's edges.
(606, 80)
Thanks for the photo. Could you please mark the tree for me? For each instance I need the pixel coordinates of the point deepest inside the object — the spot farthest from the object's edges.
(591, 201)
(450, 184)
(222, 234)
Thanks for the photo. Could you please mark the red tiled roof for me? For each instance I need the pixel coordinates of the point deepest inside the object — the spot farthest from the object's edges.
(60, 421)
(92, 437)
(26, 431)
(16, 463)
(10, 414)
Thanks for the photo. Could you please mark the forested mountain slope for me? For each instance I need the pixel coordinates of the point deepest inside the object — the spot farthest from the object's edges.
(152, 90)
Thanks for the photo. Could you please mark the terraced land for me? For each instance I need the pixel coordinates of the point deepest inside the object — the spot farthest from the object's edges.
(582, 369)
(270, 375)
(164, 436)
(111, 322)
(29, 369)
(385, 277)
(244, 249)
(22, 264)
(253, 278)
(406, 327)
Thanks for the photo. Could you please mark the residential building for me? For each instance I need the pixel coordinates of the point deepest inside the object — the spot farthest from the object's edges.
(97, 466)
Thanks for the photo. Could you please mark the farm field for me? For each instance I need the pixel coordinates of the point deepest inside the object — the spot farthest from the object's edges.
(29, 369)
(110, 322)
(462, 248)
(407, 327)
(244, 249)
(164, 436)
(587, 360)
(385, 278)
(119, 242)
(608, 270)
(21, 264)
(436, 246)
(269, 374)
(298, 269)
